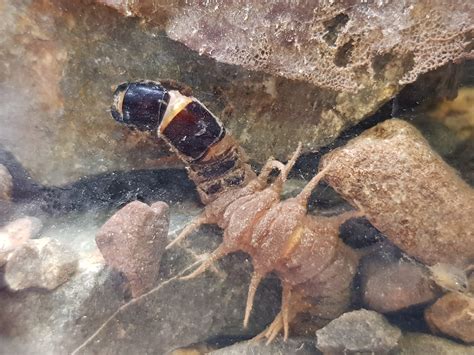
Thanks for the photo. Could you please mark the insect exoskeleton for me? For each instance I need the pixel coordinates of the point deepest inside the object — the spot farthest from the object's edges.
(303, 250)
(214, 160)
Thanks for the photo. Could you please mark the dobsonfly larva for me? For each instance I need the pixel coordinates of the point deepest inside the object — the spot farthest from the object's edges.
(305, 251)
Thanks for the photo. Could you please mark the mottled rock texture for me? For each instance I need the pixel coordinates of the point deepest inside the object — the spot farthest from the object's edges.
(358, 332)
(453, 315)
(407, 192)
(133, 240)
(40, 263)
(358, 54)
(17, 233)
(177, 314)
(55, 322)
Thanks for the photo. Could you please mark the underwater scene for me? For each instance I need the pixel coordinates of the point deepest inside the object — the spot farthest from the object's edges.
(224, 177)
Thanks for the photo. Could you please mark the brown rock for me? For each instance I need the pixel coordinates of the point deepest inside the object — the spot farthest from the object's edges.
(17, 233)
(6, 184)
(418, 343)
(407, 192)
(390, 285)
(133, 241)
(42, 263)
(453, 315)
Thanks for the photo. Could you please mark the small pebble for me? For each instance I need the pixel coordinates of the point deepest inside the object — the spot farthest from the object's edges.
(41, 263)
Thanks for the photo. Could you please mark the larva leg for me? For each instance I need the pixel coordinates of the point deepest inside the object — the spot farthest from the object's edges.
(272, 330)
(270, 164)
(216, 255)
(254, 282)
(197, 222)
(304, 195)
(292, 304)
(285, 310)
(343, 217)
(287, 168)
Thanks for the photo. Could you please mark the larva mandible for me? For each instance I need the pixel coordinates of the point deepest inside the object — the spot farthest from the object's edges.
(303, 250)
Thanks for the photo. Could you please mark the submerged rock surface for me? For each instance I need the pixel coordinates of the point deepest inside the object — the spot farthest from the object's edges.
(453, 314)
(358, 332)
(40, 263)
(407, 192)
(133, 241)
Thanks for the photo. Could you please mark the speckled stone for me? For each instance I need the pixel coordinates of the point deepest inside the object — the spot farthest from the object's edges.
(358, 332)
(407, 192)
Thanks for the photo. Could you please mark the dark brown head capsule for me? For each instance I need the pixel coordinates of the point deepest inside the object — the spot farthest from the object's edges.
(215, 161)
(140, 104)
(184, 122)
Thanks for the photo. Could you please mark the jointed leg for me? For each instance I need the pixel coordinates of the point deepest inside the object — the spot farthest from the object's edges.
(195, 223)
(254, 282)
(285, 310)
(216, 255)
(304, 195)
(269, 166)
(289, 165)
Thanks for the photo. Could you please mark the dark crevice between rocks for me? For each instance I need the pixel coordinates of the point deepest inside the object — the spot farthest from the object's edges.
(414, 98)
(99, 192)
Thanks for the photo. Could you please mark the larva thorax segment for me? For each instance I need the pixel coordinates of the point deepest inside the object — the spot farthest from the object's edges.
(279, 236)
(214, 160)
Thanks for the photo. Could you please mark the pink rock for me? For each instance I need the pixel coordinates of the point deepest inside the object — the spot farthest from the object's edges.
(133, 241)
(40, 263)
(393, 285)
(16, 233)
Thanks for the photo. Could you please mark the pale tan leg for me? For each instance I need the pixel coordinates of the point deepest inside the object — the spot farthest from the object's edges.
(343, 217)
(304, 195)
(272, 330)
(216, 255)
(285, 310)
(292, 304)
(254, 282)
(191, 227)
(289, 165)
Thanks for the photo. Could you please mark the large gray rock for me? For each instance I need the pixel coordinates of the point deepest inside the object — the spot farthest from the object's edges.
(133, 240)
(361, 332)
(55, 96)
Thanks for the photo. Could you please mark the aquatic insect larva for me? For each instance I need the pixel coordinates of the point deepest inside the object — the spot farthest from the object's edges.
(303, 250)
(214, 160)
